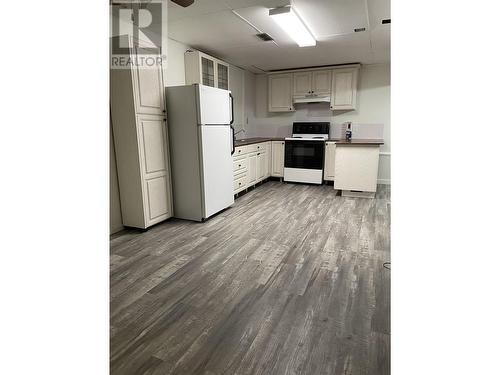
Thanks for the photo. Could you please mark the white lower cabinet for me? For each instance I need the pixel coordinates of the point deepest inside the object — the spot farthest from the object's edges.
(252, 169)
(251, 165)
(356, 169)
(329, 169)
(262, 169)
(278, 158)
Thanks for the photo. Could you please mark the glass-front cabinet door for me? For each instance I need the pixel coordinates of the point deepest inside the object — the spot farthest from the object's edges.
(222, 76)
(207, 72)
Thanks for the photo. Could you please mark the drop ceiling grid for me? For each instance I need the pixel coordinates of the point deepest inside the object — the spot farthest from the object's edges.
(230, 38)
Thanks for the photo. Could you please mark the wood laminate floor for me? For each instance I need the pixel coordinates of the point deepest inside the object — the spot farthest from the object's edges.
(289, 280)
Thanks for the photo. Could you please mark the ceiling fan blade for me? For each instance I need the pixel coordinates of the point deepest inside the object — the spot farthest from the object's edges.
(183, 3)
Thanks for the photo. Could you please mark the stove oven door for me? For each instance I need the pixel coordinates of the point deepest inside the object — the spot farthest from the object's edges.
(304, 154)
(304, 161)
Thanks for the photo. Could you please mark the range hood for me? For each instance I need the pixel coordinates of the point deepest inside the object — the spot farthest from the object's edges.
(311, 99)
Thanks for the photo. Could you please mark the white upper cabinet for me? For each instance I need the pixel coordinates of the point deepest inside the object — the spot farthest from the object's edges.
(321, 82)
(206, 70)
(222, 75)
(337, 84)
(302, 83)
(280, 93)
(316, 82)
(344, 89)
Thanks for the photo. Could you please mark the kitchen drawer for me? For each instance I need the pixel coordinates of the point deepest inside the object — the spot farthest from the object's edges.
(239, 151)
(240, 183)
(240, 165)
(243, 150)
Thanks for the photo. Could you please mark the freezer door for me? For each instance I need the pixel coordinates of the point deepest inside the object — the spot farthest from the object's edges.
(217, 164)
(214, 106)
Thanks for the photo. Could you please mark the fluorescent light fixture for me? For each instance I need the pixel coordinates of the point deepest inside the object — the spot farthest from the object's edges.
(290, 22)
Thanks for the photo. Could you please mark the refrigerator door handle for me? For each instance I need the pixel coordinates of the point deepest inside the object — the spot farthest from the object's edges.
(233, 140)
(232, 108)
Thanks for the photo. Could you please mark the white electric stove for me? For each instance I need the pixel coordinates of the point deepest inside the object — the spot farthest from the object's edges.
(305, 152)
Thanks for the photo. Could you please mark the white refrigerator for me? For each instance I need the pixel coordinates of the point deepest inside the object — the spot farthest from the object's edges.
(201, 141)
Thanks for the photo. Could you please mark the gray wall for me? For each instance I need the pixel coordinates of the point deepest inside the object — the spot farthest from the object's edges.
(115, 214)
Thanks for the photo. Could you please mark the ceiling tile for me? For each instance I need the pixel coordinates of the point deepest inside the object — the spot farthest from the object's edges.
(378, 10)
(198, 8)
(332, 17)
(214, 30)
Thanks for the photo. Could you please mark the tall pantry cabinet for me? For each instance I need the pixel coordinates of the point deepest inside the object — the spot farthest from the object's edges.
(138, 117)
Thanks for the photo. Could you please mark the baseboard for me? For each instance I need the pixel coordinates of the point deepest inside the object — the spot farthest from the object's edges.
(384, 181)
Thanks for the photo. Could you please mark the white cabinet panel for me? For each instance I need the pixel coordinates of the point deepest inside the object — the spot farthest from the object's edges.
(149, 88)
(356, 168)
(329, 173)
(222, 75)
(278, 155)
(261, 166)
(302, 83)
(321, 82)
(157, 198)
(252, 169)
(344, 89)
(280, 93)
(206, 70)
(269, 154)
(141, 144)
(153, 144)
(312, 82)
